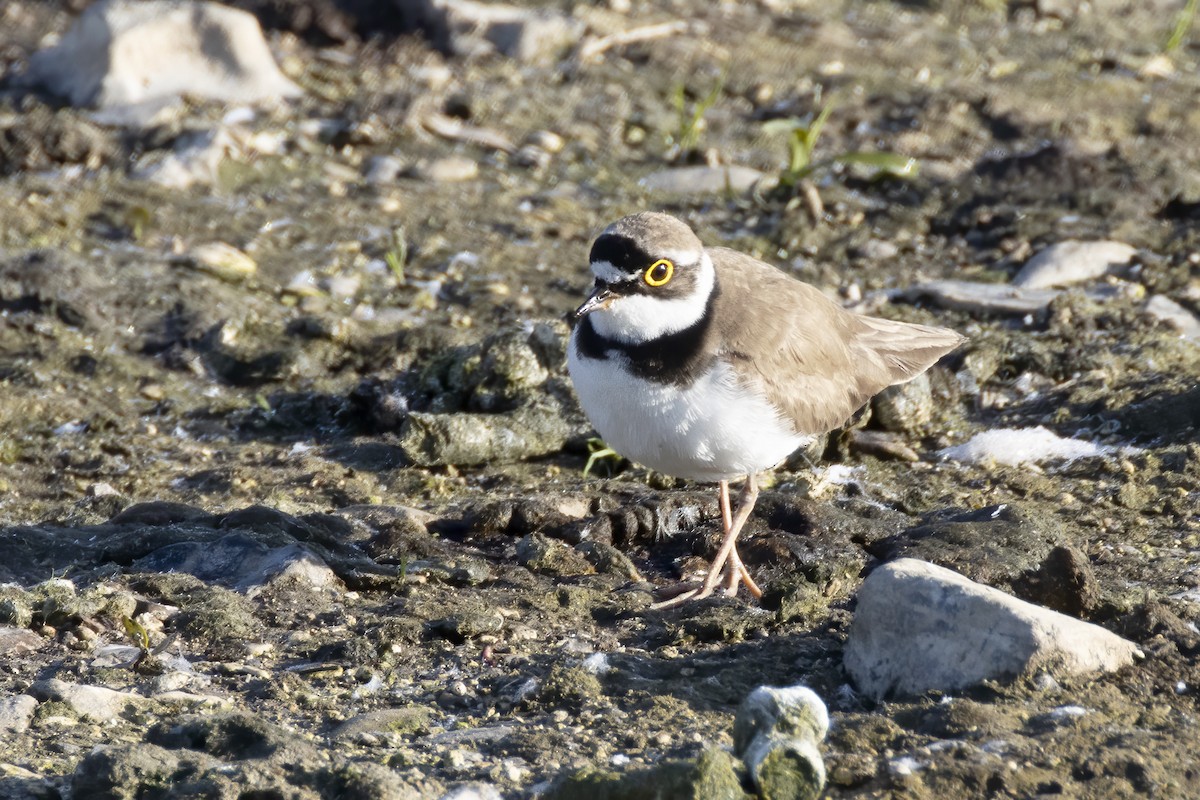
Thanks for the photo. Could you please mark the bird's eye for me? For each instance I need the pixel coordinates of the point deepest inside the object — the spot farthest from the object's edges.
(659, 273)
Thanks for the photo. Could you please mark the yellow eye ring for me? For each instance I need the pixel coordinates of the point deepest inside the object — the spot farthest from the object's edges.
(658, 273)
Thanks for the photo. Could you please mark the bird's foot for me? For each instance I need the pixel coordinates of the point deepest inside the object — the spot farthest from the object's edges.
(680, 594)
(733, 576)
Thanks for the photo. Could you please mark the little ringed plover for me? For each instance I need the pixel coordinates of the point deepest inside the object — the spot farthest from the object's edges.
(708, 364)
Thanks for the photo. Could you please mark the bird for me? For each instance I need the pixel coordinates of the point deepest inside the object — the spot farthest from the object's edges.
(708, 364)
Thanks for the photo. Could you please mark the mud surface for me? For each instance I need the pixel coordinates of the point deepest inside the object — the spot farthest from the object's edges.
(385, 395)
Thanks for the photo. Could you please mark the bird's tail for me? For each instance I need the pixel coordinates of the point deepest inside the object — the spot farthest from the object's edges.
(905, 350)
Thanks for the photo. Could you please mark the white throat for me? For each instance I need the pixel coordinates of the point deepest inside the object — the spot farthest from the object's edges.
(642, 317)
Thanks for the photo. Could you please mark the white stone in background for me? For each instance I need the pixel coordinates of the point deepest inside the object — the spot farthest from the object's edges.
(138, 56)
(1167, 310)
(193, 160)
(703, 180)
(987, 298)
(473, 791)
(1013, 446)
(450, 169)
(91, 702)
(1073, 261)
(919, 627)
(16, 712)
(1002, 298)
(777, 732)
(469, 28)
(222, 261)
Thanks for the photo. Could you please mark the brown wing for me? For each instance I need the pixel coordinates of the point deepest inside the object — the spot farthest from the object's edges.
(817, 362)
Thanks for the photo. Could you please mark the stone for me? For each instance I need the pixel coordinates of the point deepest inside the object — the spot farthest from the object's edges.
(193, 161)
(439, 439)
(405, 720)
(699, 180)
(222, 261)
(999, 298)
(131, 59)
(906, 407)
(14, 641)
(468, 28)
(450, 169)
(240, 561)
(1071, 261)
(777, 731)
(714, 775)
(551, 557)
(473, 791)
(919, 627)
(16, 712)
(96, 703)
(1164, 309)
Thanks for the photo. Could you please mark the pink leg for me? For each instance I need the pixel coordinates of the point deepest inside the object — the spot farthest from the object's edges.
(727, 549)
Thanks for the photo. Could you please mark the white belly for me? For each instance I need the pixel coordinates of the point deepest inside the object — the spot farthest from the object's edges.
(712, 430)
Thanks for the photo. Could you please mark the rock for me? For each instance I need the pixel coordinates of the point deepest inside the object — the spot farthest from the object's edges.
(904, 408)
(468, 28)
(990, 298)
(16, 609)
(919, 627)
(998, 298)
(1071, 262)
(130, 59)
(404, 720)
(16, 641)
(703, 180)
(222, 261)
(92, 702)
(16, 712)
(551, 557)
(132, 770)
(451, 169)
(1014, 446)
(440, 439)
(473, 791)
(777, 732)
(193, 161)
(240, 561)
(712, 776)
(381, 170)
(1164, 309)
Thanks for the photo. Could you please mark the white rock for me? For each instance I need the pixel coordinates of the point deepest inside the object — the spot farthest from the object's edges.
(1014, 446)
(222, 260)
(920, 627)
(703, 180)
(16, 712)
(473, 791)
(1167, 310)
(1072, 261)
(451, 169)
(193, 161)
(778, 731)
(138, 56)
(1001, 298)
(93, 702)
(988, 298)
(466, 27)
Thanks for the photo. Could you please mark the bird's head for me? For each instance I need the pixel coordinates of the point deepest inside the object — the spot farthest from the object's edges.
(652, 277)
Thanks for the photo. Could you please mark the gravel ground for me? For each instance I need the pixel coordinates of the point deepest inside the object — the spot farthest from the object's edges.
(337, 474)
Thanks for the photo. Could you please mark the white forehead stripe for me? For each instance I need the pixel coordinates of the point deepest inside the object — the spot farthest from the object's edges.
(605, 271)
